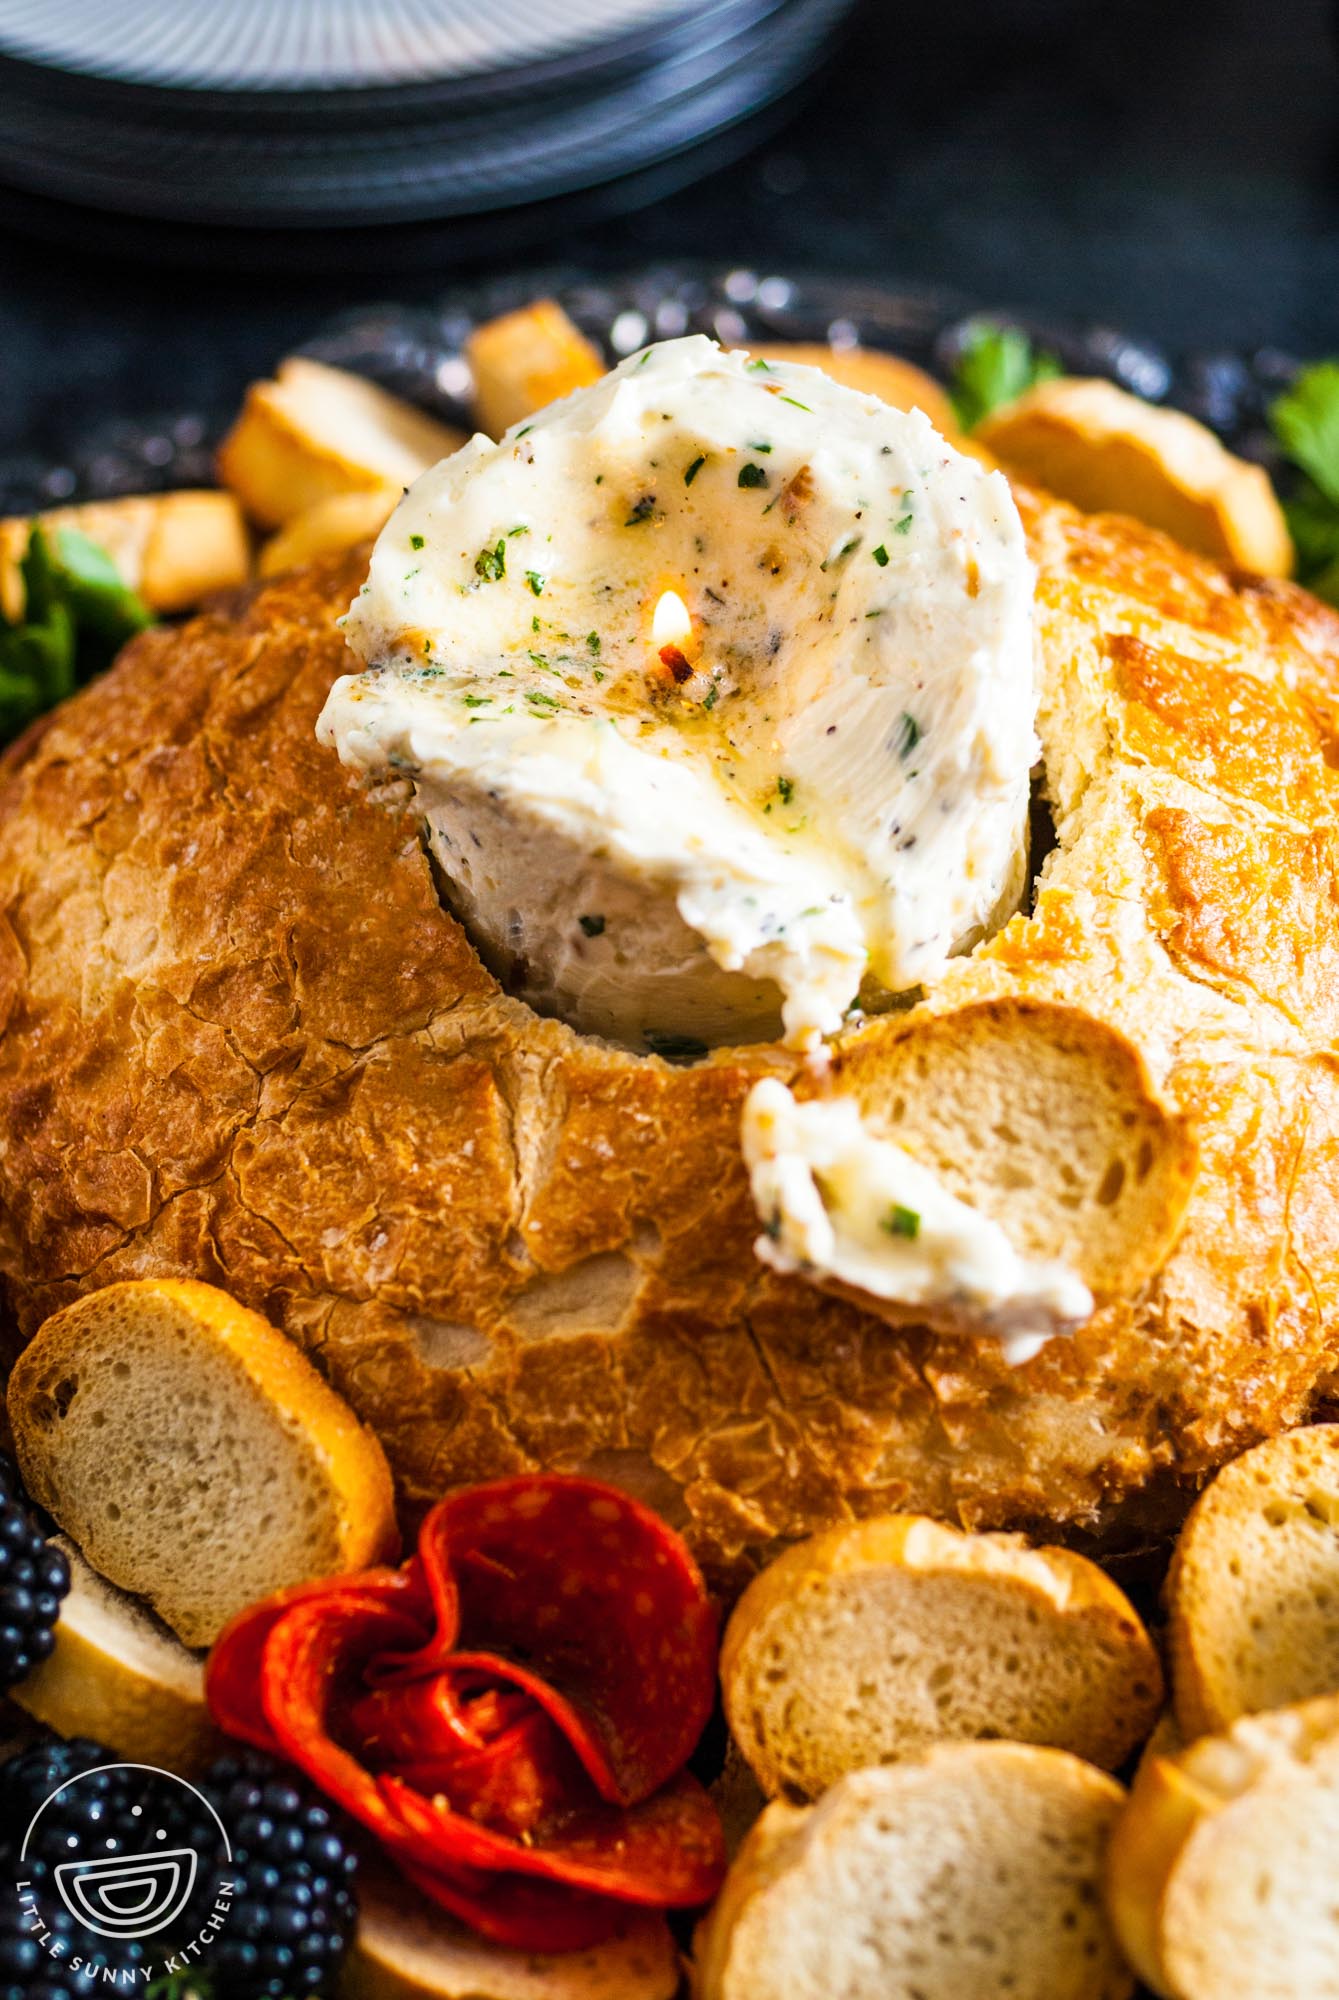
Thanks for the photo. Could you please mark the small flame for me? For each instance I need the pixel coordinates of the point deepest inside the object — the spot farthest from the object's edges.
(671, 622)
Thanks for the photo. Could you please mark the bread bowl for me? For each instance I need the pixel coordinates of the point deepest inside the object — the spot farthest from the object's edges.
(246, 1041)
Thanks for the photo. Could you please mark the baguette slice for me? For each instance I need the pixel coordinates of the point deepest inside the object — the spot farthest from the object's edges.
(193, 1453)
(404, 1949)
(868, 1643)
(172, 548)
(339, 522)
(971, 1874)
(1110, 452)
(119, 1676)
(525, 360)
(314, 431)
(1253, 1591)
(1221, 1870)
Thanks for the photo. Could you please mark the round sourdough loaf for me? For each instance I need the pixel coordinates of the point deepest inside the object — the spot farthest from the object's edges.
(245, 1041)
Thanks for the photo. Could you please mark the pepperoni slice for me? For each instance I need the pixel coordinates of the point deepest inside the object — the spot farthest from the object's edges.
(599, 1598)
(507, 1713)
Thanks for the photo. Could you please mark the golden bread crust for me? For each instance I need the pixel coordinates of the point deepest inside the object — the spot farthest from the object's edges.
(245, 1042)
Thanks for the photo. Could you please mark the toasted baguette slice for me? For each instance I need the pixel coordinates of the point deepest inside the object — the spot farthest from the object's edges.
(172, 548)
(1253, 1591)
(1043, 1118)
(971, 1874)
(193, 1453)
(119, 1676)
(314, 431)
(404, 1949)
(525, 360)
(1112, 453)
(870, 1642)
(896, 382)
(1221, 1870)
(340, 522)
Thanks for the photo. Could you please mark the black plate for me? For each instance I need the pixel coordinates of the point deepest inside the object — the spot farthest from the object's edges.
(418, 353)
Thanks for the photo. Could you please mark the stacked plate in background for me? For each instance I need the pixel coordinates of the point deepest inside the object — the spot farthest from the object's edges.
(332, 114)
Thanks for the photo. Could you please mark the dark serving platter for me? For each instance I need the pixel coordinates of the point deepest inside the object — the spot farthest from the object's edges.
(417, 352)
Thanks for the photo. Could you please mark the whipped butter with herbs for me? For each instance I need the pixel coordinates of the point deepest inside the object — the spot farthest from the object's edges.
(838, 1201)
(715, 684)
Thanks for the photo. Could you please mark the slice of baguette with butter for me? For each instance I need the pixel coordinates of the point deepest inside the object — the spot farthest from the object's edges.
(1253, 1591)
(525, 360)
(971, 1873)
(196, 1457)
(315, 431)
(172, 549)
(404, 1949)
(1112, 453)
(1221, 1869)
(118, 1675)
(868, 1643)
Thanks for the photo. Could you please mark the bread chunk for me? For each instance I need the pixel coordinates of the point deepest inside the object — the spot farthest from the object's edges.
(120, 1676)
(1109, 451)
(522, 361)
(1253, 1592)
(867, 1644)
(405, 1949)
(972, 1874)
(1220, 1877)
(314, 432)
(244, 1039)
(196, 1458)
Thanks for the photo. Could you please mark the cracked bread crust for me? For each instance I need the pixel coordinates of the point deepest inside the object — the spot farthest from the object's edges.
(244, 1042)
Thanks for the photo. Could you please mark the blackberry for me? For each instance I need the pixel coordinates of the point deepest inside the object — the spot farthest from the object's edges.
(34, 1578)
(293, 1871)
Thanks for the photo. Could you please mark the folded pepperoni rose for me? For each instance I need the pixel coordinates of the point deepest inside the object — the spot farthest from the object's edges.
(509, 1713)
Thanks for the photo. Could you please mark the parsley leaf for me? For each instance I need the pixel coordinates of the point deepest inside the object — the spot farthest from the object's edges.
(752, 475)
(1306, 423)
(901, 1221)
(77, 614)
(491, 564)
(996, 365)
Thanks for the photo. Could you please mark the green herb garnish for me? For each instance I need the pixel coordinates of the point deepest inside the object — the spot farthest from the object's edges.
(491, 564)
(592, 642)
(692, 471)
(996, 365)
(709, 699)
(908, 734)
(536, 582)
(796, 404)
(77, 614)
(643, 511)
(786, 787)
(901, 1221)
(903, 527)
(476, 700)
(881, 556)
(752, 475)
(758, 366)
(1306, 423)
(416, 541)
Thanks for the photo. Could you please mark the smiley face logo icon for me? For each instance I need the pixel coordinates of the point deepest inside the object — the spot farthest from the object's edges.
(134, 1893)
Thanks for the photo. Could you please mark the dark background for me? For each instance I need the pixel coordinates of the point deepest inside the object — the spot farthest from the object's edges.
(1170, 167)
